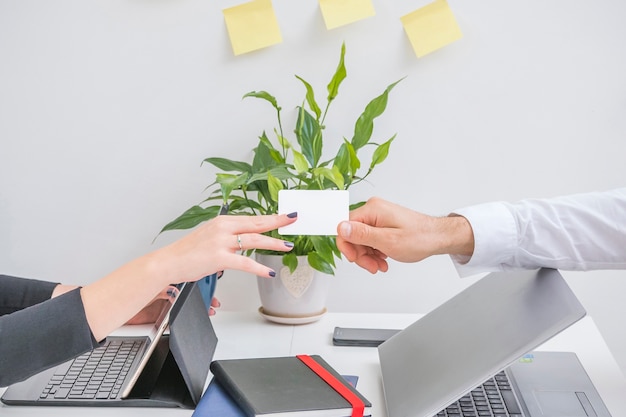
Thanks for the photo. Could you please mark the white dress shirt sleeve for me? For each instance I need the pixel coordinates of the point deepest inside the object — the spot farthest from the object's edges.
(576, 232)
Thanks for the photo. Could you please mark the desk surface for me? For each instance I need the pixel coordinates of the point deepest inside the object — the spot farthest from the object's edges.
(246, 334)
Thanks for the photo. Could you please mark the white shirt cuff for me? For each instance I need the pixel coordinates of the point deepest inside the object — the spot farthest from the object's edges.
(495, 238)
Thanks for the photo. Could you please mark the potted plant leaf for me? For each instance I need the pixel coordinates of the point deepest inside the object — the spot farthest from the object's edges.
(281, 162)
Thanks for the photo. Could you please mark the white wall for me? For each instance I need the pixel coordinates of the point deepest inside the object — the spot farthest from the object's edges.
(108, 107)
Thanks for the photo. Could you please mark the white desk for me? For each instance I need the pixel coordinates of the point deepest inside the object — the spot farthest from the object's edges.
(247, 334)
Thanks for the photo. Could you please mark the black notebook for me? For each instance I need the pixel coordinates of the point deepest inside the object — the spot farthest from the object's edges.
(287, 387)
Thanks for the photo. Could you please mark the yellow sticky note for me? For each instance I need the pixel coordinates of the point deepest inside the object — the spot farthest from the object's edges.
(431, 27)
(341, 12)
(252, 26)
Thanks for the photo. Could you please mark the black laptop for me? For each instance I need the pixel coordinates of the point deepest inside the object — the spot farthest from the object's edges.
(158, 370)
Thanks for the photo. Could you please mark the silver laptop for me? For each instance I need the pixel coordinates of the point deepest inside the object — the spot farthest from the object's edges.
(472, 356)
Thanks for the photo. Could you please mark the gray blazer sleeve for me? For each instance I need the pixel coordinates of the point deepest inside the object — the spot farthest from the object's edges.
(42, 335)
(18, 293)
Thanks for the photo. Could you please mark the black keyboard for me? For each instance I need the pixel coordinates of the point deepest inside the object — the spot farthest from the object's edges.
(494, 398)
(98, 374)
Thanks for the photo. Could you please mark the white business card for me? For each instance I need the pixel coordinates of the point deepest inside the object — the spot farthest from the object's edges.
(319, 211)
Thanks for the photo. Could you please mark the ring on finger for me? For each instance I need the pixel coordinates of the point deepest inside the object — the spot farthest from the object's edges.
(239, 243)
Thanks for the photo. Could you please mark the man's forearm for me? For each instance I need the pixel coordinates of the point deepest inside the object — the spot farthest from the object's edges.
(457, 236)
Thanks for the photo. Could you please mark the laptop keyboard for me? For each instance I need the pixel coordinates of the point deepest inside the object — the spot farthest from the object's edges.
(98, 374)
(494, 398)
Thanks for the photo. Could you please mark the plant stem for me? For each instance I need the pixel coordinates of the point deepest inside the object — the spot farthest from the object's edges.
(245, 195)
(280, 129)
(325, 111)
(362, 178)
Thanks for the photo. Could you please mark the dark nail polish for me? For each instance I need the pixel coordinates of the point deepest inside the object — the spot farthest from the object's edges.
(288, 244)
(272, 274)
(171, 292)
(292, 215)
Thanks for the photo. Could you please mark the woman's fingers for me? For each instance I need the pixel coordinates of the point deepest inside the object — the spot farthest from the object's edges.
(247, 241)
(215, 304)
(259, 224)
(247, 264)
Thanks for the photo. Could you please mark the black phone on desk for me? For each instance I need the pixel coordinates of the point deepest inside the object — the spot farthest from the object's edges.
(354, 336)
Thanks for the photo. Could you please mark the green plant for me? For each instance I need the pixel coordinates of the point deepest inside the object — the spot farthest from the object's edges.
(253, 188)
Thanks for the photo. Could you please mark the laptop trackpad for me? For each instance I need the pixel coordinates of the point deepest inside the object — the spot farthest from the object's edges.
(562, 404)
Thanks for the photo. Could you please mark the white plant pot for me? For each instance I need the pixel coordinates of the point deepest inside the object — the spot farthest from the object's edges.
(292, 298)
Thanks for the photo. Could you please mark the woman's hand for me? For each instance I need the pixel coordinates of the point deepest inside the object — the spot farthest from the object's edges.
(217, 245)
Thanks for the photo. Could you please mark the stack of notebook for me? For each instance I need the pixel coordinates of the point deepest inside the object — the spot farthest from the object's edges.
(297, 386)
